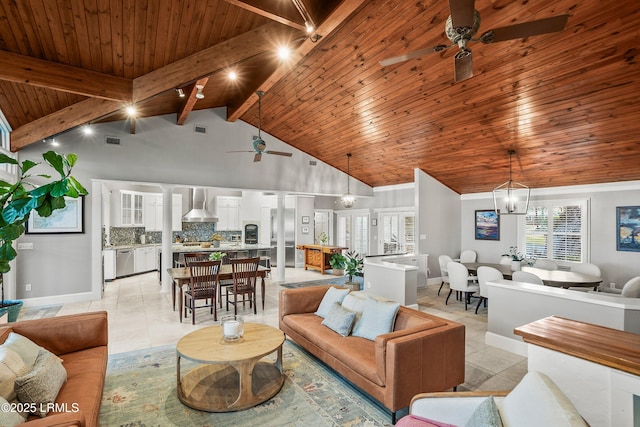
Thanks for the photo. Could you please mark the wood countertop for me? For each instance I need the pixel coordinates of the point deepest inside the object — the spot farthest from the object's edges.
(606, 346)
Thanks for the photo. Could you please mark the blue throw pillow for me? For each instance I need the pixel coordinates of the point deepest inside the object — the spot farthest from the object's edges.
(377, 318)
(485, 415)
(339, 319)
(332, 295)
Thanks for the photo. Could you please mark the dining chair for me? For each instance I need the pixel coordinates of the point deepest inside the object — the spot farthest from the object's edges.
(443, 260)
(587, 268)
(265, 257)
(526, 277)
(631, 289)
(468, 256)
(245, 275)
(459, 281)
(195, 256)
(201, 286)
(486, 274)
(546, 264)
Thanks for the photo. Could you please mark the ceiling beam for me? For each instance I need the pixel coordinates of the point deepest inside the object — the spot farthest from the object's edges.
(333, 22)
(183, 113)
(266, 14)
(207, 61)
(52, 75)
(61, 121)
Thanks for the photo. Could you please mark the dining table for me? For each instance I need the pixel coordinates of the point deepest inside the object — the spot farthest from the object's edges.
(502, 268)
(180, 276)
(564, 279)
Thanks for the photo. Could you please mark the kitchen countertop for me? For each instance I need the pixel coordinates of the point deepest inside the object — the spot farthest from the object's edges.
(178, 247)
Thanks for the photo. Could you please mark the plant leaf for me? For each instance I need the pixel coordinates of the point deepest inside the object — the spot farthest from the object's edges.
(11, 231)
(6, 159)
(17, 209)
(28, 164)
(41, 191)
(81, 190)
(60, 188)
(72, 158)
(56, 161)
(4, 266)
(7, 253)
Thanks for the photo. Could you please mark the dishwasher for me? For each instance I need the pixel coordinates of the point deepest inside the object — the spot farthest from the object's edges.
(124, 262)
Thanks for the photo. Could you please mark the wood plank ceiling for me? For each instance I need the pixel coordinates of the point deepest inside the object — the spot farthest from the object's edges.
(566, 102)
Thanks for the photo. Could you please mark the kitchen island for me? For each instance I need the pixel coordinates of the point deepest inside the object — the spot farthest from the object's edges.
(318, 256)
(231, 249)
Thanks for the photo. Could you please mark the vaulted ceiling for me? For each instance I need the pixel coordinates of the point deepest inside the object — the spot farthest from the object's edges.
(567, 102)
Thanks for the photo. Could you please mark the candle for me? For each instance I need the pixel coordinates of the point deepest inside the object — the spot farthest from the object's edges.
(231, 328)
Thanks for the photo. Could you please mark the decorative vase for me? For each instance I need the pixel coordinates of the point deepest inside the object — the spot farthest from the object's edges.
(216, 243)
(338, 272)
(516, 265)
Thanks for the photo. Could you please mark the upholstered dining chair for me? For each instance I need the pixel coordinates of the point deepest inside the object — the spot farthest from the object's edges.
(486, 274)
(202, 286)
(587, 268)
(526, 277)
(546, 264)
(468, 256)
(245, 275)
(443, 260)
(631, 289)
(459, 281)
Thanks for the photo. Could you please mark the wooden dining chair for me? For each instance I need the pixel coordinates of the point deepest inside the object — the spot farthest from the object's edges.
(195, 256)
(245, 275)
(202, 286)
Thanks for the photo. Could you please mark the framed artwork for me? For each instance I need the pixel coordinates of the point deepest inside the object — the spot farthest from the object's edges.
(628, 228)
(305, 220)
(69, 219)
(487, 225)
(305, 230)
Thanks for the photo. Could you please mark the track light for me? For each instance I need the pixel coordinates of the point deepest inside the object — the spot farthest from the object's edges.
(180, 92)
(87, 130)
(199, 93)
(284, 52)
(131, 111)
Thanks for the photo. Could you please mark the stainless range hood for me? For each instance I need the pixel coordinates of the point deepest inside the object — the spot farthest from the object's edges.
(199, 212)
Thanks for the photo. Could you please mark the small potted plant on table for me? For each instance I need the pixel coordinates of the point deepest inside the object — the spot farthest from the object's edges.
(336, 262)
(516, 258)
(215, 239)
(353, 266)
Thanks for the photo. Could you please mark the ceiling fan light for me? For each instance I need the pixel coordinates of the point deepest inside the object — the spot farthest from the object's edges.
(199, 93)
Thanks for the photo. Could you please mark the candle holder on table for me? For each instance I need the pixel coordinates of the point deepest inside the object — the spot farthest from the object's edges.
(232, 327)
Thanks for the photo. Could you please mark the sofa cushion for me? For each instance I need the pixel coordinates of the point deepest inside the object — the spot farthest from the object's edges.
(377, 318)
(27, 349)
(537, 401)
(332, 295)
(416, 421)
(485, 415)
(339, 319)
(40, 386)
(11, 366)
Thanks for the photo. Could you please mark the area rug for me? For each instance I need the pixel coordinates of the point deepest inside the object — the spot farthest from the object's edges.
(337, 280)
(140, 391)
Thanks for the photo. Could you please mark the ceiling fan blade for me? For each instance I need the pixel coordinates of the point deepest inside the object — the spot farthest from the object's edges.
(257, 157)
(461, 13)
(411, 55)
(241, 151)
(463, 65)
(526, 29)
(279, 153)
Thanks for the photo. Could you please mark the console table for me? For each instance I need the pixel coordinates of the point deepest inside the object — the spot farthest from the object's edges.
(597, 367)
(318, 256)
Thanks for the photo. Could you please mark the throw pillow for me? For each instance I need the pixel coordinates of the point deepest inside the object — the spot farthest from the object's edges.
(332, 295)
(354, 301)
(377, 318)
(41, 385)
(27, 349)
(416, 421)
(485, 415)
(339, 319)
(9, 418)
(11, 366)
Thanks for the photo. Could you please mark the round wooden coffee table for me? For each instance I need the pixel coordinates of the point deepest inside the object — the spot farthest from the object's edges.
(229, 376)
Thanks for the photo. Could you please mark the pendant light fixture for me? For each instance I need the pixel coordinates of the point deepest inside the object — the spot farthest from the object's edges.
(511, 198)
(348, 199)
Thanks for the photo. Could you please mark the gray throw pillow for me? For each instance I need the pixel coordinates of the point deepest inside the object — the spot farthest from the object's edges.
(27, 349)
(41, 385)
(485, 415)
(332, 295)
(339, 319)
(377, 318)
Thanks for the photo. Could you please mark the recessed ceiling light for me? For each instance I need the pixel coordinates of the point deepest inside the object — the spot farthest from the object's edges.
(54, 142)
(284, 52)
(131, 111)
(87, 130)
(232, 75)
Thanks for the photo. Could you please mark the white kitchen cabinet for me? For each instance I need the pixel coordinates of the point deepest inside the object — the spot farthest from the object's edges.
(131, 208)
(144, 259)
(109, 264)
(228, 212)
(153, 212)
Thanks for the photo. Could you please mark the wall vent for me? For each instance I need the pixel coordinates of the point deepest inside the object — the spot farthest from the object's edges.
(312, 163)
(112, 140)
(199, 129)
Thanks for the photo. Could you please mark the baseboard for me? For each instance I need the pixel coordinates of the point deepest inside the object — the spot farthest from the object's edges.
(504, 343)
(59, 299)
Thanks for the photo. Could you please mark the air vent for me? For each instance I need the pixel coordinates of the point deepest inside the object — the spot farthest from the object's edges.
(112, 140)
(199, 129)
(312, 163)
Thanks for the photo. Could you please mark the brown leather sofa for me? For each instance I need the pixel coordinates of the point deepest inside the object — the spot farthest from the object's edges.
(423, 353)
(80, 340)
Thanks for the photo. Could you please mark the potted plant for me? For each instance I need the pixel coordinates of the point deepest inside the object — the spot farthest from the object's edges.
(516, 258)
(215, 239)
(336, 262)
(323, 238)
(217, 256)
(353, 266)
(21, 198)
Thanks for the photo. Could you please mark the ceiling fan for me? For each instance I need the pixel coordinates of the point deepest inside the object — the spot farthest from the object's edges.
(258, 144)
(463, 24)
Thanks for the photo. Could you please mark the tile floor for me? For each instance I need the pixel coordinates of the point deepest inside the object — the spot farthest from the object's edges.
(141, 317)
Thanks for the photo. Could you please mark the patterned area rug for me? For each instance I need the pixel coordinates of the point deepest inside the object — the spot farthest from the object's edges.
(140, 391)
(337, 280)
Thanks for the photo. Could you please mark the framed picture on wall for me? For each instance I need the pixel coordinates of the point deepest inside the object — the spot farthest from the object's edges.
(628, 228)
(305, 230)
(69, 219)
(305, 220)
(487, 225)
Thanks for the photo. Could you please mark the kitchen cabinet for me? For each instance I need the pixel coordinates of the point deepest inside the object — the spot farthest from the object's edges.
(109, 264)
(131, 208)
(153, 212)
(228, 212)
(144, 259)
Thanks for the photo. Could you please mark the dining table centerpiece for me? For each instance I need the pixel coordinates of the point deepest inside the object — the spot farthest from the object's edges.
(516, 258)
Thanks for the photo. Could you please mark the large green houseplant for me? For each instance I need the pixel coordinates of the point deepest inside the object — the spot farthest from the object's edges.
(21, 198)
(353, 266)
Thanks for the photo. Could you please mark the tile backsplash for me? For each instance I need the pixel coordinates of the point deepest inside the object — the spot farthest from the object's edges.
(191, 232)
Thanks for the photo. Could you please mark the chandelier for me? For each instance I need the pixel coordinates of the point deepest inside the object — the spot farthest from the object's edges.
(511, 198)
(348, 199)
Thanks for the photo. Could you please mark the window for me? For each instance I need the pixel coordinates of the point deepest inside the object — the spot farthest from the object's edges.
(353, 231)
(555, 230)
(397, 232)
